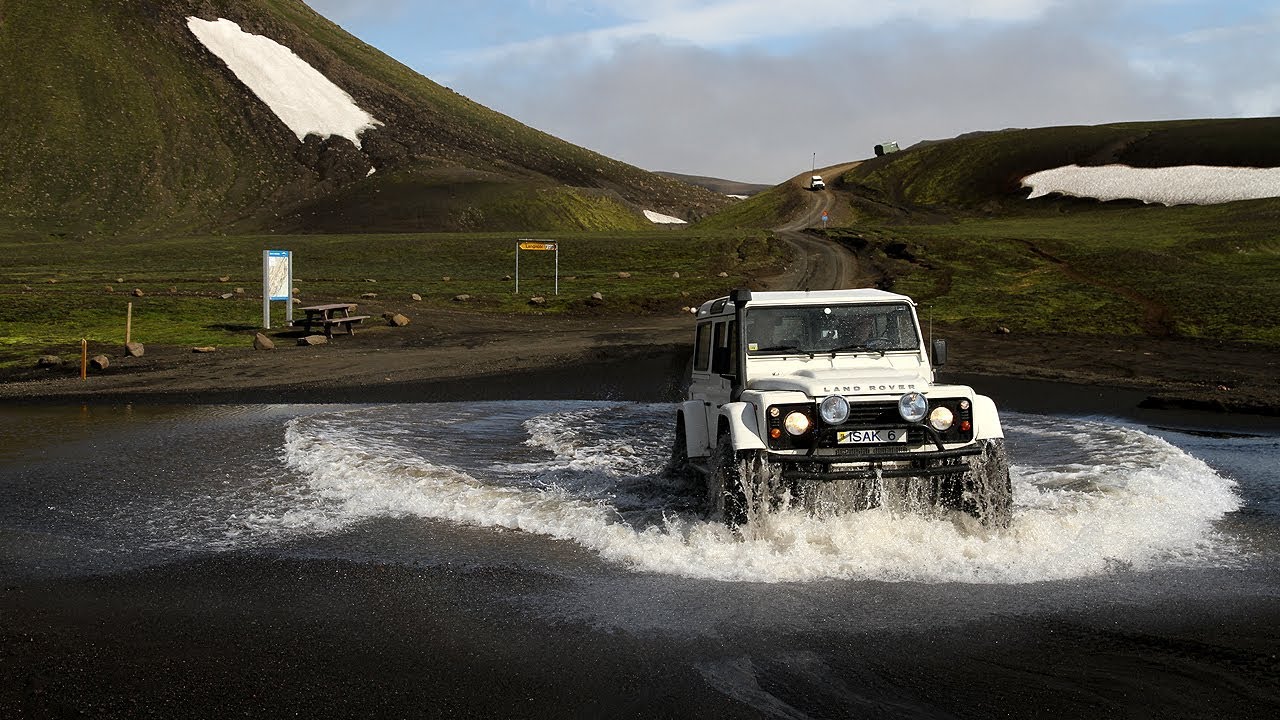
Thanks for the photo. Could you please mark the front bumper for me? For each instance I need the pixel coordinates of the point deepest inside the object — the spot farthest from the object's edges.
(873, 463)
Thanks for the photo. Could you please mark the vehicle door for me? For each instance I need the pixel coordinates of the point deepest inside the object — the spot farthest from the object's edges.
(714, 364)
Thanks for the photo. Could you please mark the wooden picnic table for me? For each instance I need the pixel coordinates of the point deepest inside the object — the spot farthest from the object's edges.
(330, 316)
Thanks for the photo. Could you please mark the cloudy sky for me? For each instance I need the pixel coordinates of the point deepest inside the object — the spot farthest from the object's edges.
(760, 90)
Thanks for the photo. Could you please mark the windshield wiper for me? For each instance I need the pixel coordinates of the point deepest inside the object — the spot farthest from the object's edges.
(857, 347)
(785, 348)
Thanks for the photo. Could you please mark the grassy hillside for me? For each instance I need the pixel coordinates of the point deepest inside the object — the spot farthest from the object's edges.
(949, 224)
(118, 120)
(983, 171)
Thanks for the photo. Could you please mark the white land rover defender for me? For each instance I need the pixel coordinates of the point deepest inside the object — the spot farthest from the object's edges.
(826, 401)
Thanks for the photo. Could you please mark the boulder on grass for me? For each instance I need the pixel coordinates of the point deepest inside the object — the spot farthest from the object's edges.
(595, 299)
(537, 300)
(204, 349)
(262, 342)
(416, 297)
(461, 298)
(134, 349)
(100, 362)
(313, 340)
(395, 319)
(48, 361)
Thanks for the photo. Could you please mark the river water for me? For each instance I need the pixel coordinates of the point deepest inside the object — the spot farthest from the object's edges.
(104, 488)
(1140, 555)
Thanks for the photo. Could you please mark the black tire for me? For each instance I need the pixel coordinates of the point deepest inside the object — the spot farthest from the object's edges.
(985, 490)
(725, 492)
(678, 464)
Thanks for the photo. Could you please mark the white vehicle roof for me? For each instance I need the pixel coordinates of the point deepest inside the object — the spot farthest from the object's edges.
(805, 297)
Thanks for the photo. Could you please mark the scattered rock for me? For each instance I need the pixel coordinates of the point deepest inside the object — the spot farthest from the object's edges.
(570, 277)
(416, 297)
(723, 274)
(48, 361)
(227, 296)
(462, 298)
(537, 300)
(262, 342)
(675, 275)
(204, 349)
(396, 319)
(137, 292)
(224, 278)
(506, 278)
(119, 280)
(313, 340)
(370, 280)
(595, 299)
(684, 293)
(173, 289)
(1002, 330)
(110, 289)
(52, 281)
(624, 275)
(26, 288)
(239, 291)
(100, 362)
(134, 349)
(368, 296)
(445, 278)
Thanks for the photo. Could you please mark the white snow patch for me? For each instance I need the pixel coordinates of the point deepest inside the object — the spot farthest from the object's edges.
(303, 98)
(1180, 185)
(657, 217)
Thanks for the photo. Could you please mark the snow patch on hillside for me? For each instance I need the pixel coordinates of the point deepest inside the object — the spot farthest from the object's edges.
(657, 217)
(303, 98)
(1180, 185)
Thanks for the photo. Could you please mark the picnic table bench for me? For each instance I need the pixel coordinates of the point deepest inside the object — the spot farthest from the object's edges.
(330, 316)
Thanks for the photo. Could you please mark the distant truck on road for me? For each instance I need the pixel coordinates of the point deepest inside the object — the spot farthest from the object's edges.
(886, 148)
(815, 183)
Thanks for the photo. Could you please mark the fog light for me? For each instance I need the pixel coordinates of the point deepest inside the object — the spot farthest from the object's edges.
(941, 418)
(913, 407)
(834, 410)
(797, 423)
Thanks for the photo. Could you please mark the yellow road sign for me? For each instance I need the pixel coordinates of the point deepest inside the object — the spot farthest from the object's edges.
(537, 246)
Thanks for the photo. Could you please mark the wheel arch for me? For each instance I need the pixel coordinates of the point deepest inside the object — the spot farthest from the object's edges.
(739, 419)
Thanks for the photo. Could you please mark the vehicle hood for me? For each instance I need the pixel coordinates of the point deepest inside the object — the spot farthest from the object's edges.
(840, 381)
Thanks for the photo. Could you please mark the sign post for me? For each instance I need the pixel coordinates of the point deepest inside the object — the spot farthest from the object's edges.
(277, 283)
(537, 246)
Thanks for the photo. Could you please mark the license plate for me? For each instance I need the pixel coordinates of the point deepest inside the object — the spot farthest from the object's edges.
(870, 437)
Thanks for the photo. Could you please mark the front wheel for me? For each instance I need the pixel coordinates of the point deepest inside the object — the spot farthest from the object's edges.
(985, 490)
(742, 484)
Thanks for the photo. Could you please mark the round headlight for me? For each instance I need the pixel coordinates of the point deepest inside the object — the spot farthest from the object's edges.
(834, 410)
(913, 407)
(797, 423)
(941, 418)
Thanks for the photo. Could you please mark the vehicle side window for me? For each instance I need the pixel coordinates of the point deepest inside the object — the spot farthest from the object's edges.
(702, 353)
(724, 357)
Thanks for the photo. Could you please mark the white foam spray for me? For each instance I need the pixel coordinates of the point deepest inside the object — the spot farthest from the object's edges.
(1090, 497)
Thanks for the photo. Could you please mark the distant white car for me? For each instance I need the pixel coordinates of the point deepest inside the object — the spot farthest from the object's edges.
(815, 183)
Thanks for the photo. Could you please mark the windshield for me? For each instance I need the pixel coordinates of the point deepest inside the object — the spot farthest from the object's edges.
(830, 329)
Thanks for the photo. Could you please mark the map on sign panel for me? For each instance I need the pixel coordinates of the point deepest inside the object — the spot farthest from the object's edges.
(278, 276)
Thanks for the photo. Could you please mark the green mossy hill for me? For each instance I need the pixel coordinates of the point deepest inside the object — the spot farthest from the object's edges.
(984, 171)
(117, 119)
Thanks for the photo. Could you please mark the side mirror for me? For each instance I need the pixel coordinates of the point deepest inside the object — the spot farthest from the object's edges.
(938, 352)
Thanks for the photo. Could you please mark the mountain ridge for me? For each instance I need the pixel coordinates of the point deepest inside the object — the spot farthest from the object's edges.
(122, 121)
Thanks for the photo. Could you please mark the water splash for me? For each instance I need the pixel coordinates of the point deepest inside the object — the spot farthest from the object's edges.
(1090, 496)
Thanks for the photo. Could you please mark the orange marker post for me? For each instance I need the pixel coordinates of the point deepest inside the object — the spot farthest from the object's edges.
(84, 359)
